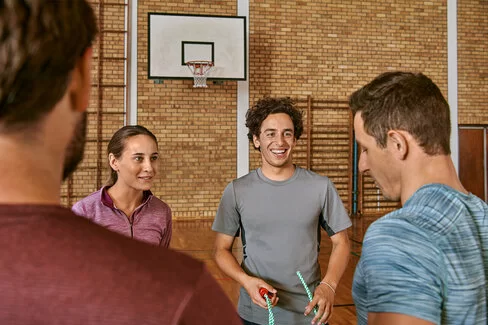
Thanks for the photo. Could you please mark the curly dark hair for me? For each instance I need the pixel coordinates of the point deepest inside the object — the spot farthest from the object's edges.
(40, 43)
(268, 105)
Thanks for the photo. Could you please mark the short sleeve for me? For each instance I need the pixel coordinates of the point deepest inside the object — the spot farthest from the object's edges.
(334, 215)
(400, 269)
(227, 218)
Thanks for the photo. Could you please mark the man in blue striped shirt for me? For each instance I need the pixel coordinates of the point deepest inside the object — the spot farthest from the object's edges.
(426, 263)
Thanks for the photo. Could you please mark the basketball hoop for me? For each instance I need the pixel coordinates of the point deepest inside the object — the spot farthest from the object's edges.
(199, 69)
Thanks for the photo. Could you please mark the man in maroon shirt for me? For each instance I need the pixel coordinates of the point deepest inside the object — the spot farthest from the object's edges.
(55, 267)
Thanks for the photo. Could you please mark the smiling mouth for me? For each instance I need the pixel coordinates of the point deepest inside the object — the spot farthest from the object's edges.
(278, 151)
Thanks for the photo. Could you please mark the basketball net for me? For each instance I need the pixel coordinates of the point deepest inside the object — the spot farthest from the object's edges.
(200, 70)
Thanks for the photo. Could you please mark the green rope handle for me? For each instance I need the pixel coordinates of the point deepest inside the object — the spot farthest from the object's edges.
(264, 293)
(309, 294)
(270, 312)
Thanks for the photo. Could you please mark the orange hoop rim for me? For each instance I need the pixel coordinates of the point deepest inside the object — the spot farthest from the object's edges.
(200, 62)
(199, 69)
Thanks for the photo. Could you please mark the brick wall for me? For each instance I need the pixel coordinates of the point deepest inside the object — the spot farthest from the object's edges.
(325, 49)
(473, 61)
(196, 128)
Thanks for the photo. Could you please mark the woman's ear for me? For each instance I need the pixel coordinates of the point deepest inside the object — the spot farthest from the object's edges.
(113, 162)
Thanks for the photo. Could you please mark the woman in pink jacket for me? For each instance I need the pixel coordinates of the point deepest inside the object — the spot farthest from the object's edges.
(126, 204)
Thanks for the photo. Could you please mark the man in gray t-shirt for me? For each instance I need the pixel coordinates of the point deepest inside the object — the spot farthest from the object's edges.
(278, 209)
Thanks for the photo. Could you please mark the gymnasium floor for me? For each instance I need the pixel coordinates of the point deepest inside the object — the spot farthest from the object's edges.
(196, 238)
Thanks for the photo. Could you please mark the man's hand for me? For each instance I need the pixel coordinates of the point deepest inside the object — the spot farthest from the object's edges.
(252, 287)
(323, 298)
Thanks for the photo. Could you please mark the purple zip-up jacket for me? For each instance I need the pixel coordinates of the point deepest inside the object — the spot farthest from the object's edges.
(151, 221)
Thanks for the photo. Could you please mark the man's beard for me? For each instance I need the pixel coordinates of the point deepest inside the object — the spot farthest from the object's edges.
(76, 148)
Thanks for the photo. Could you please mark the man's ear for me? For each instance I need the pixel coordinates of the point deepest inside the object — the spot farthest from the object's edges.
(255, 141)
(397, 144)
(80, 85)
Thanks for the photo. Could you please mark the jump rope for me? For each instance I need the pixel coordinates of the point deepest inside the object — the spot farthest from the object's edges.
(265, 294)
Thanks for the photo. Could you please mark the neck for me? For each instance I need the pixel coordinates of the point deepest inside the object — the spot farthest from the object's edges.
(31, 174)
(428, 170)
(278, 173)
(125, 198)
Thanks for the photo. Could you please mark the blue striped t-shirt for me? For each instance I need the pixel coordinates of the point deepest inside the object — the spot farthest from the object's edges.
(428, 259)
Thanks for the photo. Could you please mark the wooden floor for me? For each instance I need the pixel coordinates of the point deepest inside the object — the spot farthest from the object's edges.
(196, 238)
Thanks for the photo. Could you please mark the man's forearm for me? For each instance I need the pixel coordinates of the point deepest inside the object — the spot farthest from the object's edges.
(230, 266)
(339, 258)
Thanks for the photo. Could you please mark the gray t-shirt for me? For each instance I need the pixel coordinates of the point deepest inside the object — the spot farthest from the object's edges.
(280, 226)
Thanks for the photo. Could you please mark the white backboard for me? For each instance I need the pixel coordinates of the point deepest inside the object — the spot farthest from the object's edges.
(175, 39)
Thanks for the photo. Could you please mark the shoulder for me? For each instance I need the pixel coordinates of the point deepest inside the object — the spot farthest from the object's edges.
(93, 197)
(394, 226)
(307, 175)
(437, 208)
(164, 272)
(87, 203)
(158, 203)
(157, 209)
(244, 183)
(397, 242)
(79, 249)
(129, 254)
(315, 183)
(248, 179)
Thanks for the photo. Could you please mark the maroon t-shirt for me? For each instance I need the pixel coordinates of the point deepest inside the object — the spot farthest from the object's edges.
(58, 268)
